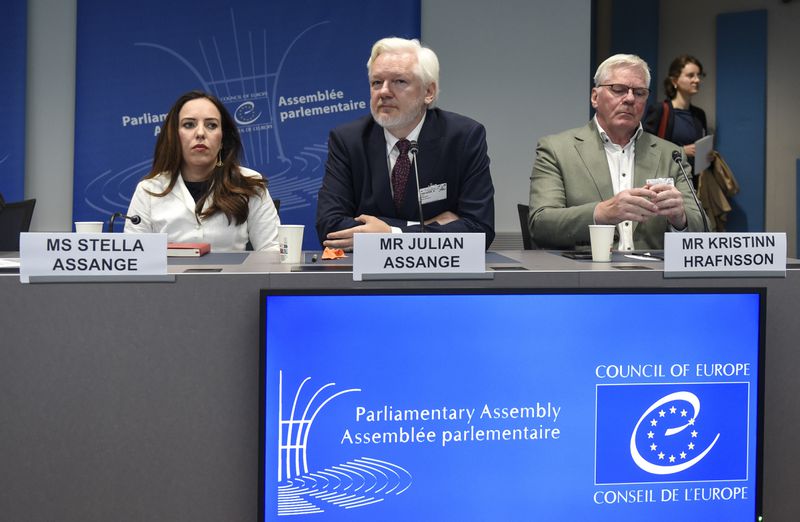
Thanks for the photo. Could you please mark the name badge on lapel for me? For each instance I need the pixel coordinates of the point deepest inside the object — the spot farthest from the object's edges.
(433, 193)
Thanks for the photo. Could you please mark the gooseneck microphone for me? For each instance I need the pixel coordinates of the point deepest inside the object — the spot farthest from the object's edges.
(133, 219)
(413, 149)
(676, 157)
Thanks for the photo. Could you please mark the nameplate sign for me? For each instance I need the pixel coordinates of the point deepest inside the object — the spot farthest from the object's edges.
(419, 256)
(725, 254)
(70, 256)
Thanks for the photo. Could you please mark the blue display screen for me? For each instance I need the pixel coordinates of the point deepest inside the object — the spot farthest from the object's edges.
(511, 406)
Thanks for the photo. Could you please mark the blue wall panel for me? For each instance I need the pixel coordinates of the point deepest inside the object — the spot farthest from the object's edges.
(741, 111)
(634, 30)
(13, 27)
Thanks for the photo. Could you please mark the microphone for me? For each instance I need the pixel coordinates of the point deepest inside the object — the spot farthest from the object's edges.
(133, 219)
(413, 149)
(676, 157)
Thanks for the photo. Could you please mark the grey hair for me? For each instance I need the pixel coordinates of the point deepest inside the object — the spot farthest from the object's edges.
(427, 68)
(620, 61)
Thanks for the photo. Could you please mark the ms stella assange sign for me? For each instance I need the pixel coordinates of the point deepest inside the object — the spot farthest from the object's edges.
(70, 255)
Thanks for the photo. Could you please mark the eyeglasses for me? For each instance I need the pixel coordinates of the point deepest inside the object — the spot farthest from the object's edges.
(619, 90)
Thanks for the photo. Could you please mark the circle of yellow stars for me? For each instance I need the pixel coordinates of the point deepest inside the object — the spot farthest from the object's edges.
(654, 447)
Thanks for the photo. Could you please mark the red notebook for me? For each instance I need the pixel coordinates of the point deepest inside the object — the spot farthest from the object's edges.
(188, 249)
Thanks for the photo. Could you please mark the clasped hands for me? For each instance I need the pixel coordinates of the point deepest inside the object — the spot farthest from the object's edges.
(641, 204)
(370, 224)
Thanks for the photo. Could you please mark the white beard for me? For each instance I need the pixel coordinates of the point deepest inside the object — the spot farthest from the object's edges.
(400, 120)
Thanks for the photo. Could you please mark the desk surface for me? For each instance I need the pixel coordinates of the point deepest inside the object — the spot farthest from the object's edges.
(130, 402)
(512, 260)
(531, 260)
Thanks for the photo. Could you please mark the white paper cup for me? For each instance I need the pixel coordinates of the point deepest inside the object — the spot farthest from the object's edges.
(602, 236)
(89, 227)
(290, 239)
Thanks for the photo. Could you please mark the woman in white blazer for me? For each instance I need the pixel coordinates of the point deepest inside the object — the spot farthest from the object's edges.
(196, 191)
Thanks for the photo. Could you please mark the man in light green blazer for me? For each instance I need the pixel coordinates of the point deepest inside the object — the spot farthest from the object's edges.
(610, 171)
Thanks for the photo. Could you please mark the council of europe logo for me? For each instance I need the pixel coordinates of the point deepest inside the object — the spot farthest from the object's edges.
(672, 433)
(304, 490)
(246, 113)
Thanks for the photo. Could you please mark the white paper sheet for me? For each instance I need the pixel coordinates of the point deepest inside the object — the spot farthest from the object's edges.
(702, 148)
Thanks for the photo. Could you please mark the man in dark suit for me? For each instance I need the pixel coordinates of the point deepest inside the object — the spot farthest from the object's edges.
(369, 183)
(610, 171)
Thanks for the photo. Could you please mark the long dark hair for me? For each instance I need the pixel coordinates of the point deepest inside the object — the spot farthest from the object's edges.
(675, 69)
(229, 189)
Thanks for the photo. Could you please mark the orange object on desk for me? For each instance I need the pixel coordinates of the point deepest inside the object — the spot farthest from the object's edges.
(333, 253)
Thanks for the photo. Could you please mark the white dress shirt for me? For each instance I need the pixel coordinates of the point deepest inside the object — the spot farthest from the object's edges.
(620, 164)
(392, 153)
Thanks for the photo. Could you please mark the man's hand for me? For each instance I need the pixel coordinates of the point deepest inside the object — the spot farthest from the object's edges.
(344, 238)
(628, 205)
(669, 201)
(689, 150)
(443, 218)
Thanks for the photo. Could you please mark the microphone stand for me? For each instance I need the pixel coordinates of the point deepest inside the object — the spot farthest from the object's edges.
(133, 219)
(676, 157)
(413, 149)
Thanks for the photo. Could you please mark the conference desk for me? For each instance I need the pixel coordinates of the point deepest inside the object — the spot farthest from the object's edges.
(139, 401)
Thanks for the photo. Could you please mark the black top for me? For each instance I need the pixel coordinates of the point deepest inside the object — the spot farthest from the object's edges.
(683, 127)
(655, 112)
(197, 189)
(686, 129)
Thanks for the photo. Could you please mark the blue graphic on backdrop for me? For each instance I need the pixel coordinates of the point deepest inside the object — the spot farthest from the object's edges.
(499, 412)
(13, 27)
(304, 490)
(287, 72)
(666, 433)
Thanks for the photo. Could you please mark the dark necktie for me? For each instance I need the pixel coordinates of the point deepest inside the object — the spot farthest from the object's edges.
(402, 167)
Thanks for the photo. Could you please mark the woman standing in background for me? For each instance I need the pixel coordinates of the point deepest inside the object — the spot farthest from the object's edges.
(676, 119)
